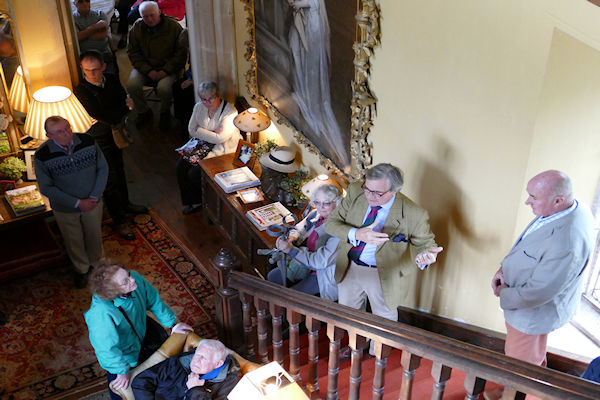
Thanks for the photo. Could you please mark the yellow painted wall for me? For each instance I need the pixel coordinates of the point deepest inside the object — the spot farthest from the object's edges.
(44, 53)
(467, 109)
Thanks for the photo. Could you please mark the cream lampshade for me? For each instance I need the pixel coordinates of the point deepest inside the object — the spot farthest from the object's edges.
(252, 120)
(17, 95)
(55, 100)
(309, 187)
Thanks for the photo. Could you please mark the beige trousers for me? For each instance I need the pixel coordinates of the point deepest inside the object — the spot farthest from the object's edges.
(82, 235)
(530, 348)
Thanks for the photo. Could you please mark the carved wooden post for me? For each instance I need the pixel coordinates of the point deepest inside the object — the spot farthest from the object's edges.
(410, 363)
(277, 314)
(249, 336)
(261, 313)
(357, 343)
(474, 386)
(312, 325)
(227, 302)
(382, 352)
(294, 320)
(441, 374)
(335, 335)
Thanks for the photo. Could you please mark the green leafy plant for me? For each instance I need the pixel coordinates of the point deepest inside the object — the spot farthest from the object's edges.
(265, 147)
(293, 183)
(4, 147)
(12, 168)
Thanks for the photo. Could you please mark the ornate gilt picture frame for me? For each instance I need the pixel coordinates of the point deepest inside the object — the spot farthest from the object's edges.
(282, 80)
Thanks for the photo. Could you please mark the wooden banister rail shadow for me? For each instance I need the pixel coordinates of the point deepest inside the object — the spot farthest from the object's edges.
(258, 298)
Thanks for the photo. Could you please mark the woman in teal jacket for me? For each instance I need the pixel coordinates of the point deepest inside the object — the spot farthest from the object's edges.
(117, 320)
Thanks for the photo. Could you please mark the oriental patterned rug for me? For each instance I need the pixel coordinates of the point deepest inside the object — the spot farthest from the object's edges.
(45, 352)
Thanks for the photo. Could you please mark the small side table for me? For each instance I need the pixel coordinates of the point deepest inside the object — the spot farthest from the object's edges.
(28, 245)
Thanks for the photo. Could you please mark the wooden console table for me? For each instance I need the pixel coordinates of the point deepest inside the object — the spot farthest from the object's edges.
(28, 245)
(228, 213)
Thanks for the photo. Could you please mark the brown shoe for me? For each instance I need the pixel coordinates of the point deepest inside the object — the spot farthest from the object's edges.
(345, 353)
(125, 231)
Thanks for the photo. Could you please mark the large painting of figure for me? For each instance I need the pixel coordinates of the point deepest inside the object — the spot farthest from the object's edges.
(305, 69)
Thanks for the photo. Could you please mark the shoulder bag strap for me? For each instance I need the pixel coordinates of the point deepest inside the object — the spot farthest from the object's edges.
(128, 320)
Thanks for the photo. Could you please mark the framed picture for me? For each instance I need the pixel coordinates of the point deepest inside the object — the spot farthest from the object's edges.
(28, 154)
(309, 65)
(245, 155)
(251, 195)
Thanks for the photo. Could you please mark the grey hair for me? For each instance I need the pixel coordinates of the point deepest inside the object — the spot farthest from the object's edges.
(330, 191)
(148, 4)
(563, 187)
(207, 88)
(219, 352)
(384, 170)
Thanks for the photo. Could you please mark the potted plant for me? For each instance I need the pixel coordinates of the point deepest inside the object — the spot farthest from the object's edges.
(12, 168)
(292, 188)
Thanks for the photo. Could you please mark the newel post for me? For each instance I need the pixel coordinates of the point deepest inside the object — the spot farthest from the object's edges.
(228, 307)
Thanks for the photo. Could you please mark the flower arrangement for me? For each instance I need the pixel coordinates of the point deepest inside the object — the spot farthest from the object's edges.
(12, 168)
(292, 184)
(265, 147)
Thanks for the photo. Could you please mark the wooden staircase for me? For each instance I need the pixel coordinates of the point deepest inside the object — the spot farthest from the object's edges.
(243, 303)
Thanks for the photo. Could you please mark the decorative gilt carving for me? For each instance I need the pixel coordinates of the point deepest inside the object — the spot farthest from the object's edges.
(363, 104)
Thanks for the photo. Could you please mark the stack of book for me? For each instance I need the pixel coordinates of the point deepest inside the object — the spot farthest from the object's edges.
(265, 216)
(25, 200)
(236, 179)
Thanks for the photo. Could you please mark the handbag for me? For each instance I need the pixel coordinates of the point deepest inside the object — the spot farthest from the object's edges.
(121, 136)
(154, 338)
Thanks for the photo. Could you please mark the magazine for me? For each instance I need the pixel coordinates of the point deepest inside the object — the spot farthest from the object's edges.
(265, 216)
(236, 179)
(25, 200)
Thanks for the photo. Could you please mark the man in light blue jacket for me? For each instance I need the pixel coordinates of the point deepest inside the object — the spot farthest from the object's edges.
(540, 280)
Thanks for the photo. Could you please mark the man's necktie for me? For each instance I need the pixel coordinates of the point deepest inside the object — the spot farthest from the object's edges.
(311, 241)
(354, 252)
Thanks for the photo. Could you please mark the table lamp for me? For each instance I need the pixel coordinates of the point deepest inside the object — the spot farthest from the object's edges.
(270, 381)
(55, 100)
(253, 121)
(17, 95)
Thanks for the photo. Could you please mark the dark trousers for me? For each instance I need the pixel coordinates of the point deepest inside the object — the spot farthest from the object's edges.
(124, 8)
(189, 178)
(155, 336)
(116, 195)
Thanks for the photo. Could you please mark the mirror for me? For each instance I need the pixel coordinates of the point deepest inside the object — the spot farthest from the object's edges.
(14, 96)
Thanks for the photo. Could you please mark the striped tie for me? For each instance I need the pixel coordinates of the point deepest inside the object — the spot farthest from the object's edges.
(354, 252)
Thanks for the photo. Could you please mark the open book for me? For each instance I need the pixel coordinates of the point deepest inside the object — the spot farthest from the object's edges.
(236, 179)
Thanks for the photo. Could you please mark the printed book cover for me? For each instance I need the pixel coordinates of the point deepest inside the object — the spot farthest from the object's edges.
(267, 215)
(25, 200)
(236, 179)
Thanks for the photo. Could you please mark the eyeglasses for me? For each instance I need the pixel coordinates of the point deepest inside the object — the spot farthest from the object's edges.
(127, 280)
(83, 1)
(322, 203)
(372, 192)
(208, 99)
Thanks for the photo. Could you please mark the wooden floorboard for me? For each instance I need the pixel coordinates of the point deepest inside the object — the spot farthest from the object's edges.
(150, 170)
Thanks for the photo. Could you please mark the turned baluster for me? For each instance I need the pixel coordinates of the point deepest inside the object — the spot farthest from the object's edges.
(410, 363)
(440, 374)
(313, 326)
(277, 314)
(335, 335)
(294, 320)
(382, 352)
(474, 386)
(249, 336)
(357, 343)
(262, 332)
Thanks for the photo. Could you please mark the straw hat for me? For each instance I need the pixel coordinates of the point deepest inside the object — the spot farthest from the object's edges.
(281, 159)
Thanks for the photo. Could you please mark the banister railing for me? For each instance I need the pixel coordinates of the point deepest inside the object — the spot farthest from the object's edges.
(479, 364)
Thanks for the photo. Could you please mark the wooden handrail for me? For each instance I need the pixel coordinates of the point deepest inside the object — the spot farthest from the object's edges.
(479, 363)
